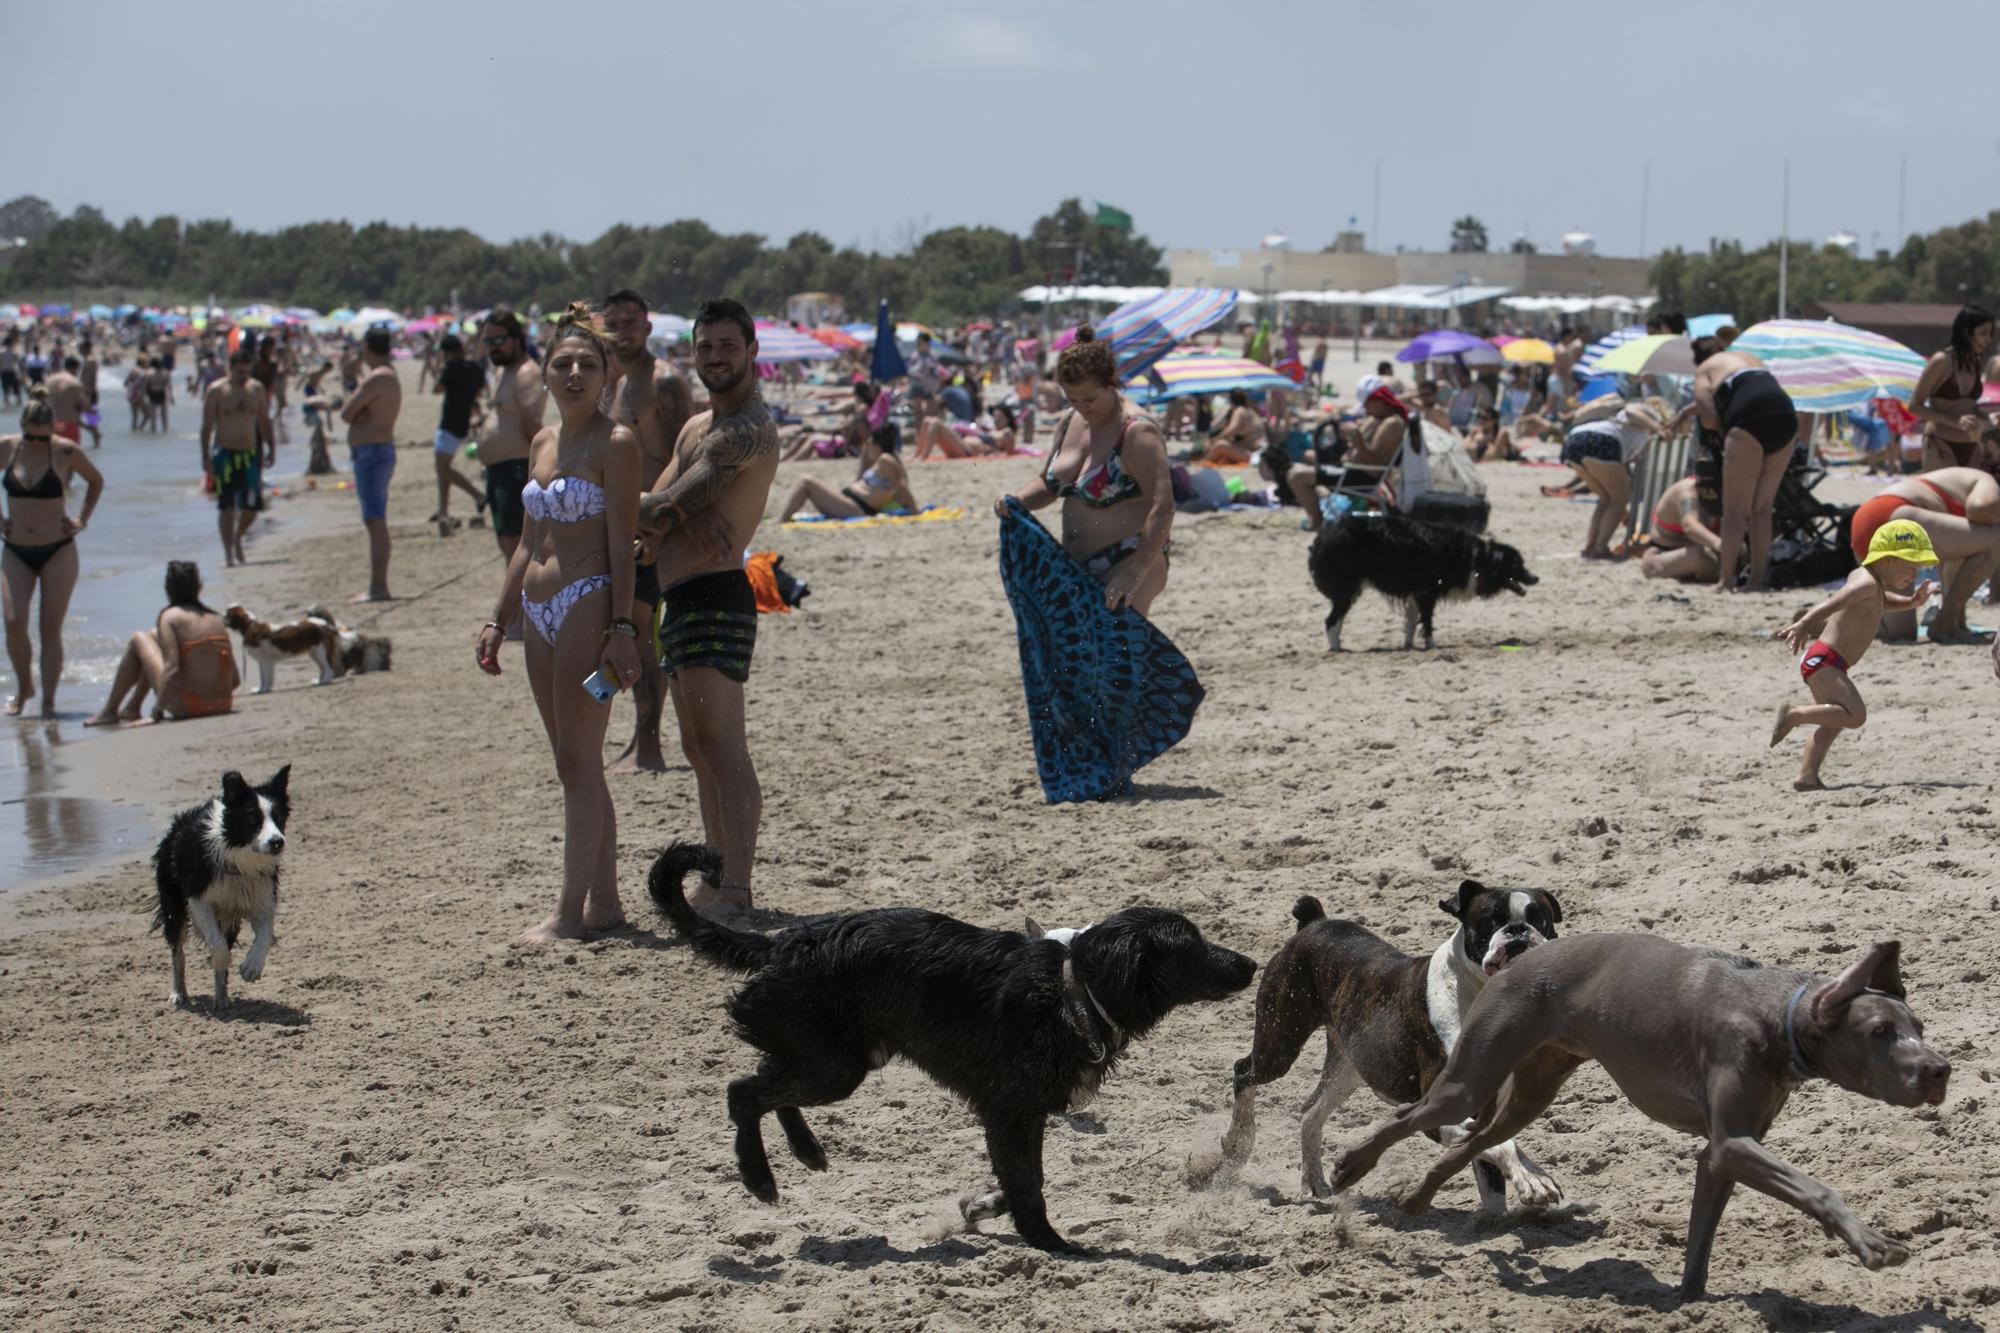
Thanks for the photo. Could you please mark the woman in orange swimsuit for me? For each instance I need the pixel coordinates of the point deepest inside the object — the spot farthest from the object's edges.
(184, 661)
(1946, 399)
(1960, 508)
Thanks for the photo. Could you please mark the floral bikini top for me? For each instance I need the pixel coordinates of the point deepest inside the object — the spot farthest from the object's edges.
(563, 500)
(1110, 484)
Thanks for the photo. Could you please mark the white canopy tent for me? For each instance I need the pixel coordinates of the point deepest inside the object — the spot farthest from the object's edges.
(1040, 295)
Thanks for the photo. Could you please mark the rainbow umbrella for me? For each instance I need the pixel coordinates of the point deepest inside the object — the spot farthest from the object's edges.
(1829, 367)
(1189, 374)
(1142, 332)
(1587, 363)
(838, 341)
(1526, 351)
(1654, 354)
(779, 343)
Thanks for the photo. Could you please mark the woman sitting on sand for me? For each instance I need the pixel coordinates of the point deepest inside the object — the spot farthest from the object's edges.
(1109, 468)
(40, 547)
(1959, 508)
(1489, 439)
(184, 661)
(882, 484)
(1602, 452)
(869, 413)
(1683, 545)
(1241, 435)
(991, 435)
(572, 577)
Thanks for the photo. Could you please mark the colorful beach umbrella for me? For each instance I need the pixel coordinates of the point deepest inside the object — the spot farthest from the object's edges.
(1526, 352)
(1654, 354)
(1829, 367)
(1591, 354)
(780, 343)
(838, 341)
(1450, 345)
(1189, 373)
(1143, 331)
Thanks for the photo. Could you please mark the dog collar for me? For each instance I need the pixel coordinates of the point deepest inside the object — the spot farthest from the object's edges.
(1100, 1051)
(1800, 1070)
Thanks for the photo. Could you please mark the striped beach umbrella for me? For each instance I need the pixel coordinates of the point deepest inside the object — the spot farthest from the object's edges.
(1146, 330)
(777, 343)
(1185, 375)
(1829, 367)
(1587, 363)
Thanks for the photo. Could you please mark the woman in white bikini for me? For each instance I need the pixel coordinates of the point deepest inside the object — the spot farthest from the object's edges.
(571, 576)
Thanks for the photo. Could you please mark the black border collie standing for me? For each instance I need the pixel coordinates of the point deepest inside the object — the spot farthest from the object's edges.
(218, 866)
(1021, 1028)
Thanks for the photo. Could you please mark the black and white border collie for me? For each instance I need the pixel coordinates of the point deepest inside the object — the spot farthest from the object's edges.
(218, 866)
(1411, 562)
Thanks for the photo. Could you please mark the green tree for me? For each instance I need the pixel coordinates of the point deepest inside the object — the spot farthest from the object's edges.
(1067, 243)
(1468, 236)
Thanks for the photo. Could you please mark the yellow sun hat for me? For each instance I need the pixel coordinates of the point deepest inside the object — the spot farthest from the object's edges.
(1901, 539)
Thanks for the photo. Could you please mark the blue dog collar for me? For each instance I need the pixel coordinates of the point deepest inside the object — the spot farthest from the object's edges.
(1800, 1070)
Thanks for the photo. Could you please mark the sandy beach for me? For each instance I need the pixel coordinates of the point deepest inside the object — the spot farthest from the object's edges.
(407, 1124)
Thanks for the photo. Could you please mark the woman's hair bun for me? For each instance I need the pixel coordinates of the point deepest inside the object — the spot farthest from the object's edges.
(37, 392)
(1086, 334)
(578, 312)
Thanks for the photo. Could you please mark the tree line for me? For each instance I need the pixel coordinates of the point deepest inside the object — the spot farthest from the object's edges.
(1951, 266)
(947, 274)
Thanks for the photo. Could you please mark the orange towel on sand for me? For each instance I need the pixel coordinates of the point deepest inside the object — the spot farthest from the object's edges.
(761, 571)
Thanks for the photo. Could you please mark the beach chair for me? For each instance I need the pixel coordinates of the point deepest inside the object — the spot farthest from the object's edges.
(1809, 536)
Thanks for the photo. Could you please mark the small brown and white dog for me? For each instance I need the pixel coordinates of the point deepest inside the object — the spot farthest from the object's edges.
(358, 653)
(309, 636)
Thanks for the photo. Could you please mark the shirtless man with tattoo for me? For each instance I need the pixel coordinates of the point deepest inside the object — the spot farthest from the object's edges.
(702, 510)
(651, 398)
(517, 401)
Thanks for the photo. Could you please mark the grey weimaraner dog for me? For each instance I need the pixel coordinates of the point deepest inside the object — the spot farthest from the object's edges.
(1700, 1040)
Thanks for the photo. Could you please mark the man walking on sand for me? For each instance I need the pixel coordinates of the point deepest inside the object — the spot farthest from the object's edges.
(654, 401)
(236, 446)
(88, 375)
(461, 382)
(702, 510)
(517, 402)
(370, 413)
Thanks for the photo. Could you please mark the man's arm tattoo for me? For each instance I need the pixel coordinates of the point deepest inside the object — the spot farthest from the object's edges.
(723, 454)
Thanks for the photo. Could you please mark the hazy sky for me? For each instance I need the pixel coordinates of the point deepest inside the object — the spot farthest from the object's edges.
(1211, 123)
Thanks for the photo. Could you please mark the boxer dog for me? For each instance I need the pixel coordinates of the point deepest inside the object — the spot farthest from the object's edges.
(1391, 1019)
(1702, 1041)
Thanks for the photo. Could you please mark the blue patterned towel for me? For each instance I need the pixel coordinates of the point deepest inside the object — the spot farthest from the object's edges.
(1107, 692)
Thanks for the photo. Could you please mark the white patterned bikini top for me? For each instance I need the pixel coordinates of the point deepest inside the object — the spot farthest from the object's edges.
(564, 500)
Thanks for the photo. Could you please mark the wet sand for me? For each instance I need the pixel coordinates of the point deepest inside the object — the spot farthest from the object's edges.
(407, 1124)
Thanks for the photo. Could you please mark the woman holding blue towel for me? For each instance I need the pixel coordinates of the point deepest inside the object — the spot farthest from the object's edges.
(1108, 465)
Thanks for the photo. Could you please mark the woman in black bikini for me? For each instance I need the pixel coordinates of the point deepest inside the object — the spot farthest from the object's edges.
(35, 468)
(1109, 468)
(1739, 402)
(1946, 399)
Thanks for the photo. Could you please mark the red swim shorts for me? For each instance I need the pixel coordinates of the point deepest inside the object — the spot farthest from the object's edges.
(70, 431)
(1820, 654)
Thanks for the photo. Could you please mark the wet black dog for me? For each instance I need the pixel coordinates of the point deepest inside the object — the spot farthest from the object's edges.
(1414, 563)
(1020, 1028)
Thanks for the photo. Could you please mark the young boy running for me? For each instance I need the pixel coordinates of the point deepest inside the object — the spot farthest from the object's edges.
(1850, 618)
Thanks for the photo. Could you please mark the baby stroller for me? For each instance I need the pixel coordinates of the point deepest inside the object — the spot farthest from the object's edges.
(1810, 542)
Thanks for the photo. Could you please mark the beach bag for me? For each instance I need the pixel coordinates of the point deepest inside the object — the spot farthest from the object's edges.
(1452, 470)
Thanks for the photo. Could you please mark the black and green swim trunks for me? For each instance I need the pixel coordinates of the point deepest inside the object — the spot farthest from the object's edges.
(709, 621)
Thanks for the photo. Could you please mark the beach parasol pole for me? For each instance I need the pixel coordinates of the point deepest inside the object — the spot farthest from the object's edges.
(1784, 239)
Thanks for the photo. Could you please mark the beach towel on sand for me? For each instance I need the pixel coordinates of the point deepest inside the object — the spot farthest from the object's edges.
(889, 518)
(1107, 692)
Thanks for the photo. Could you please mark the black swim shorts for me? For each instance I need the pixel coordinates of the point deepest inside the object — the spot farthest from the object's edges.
(709, 621)
(1751, 400)
(504, 483)
(646, 583)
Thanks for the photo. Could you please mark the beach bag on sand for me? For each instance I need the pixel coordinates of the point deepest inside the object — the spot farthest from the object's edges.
(1452, 470)
(1107, 692)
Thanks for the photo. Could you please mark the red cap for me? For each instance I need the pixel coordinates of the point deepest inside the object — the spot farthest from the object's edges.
(1385, 394)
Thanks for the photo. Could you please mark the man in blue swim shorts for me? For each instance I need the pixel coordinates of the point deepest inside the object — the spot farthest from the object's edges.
(370, 413)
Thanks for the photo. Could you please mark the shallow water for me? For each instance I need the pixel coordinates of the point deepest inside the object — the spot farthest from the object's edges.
(152, 511)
